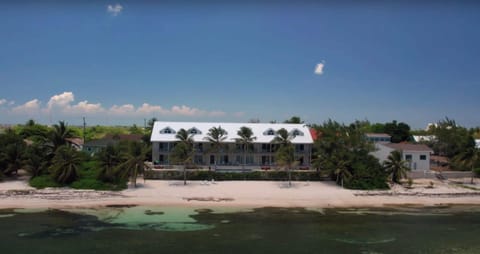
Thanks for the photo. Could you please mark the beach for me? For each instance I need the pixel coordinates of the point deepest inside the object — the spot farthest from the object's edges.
(252, 194)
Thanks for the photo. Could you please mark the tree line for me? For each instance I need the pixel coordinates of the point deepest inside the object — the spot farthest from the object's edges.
(341, 151)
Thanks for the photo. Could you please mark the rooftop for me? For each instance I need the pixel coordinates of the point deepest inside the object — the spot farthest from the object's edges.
(409, 147)
(264, 132)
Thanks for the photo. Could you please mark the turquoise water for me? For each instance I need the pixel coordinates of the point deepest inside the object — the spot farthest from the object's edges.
(265, 230)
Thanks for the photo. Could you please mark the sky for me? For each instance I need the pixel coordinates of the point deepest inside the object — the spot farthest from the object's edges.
(231, 61)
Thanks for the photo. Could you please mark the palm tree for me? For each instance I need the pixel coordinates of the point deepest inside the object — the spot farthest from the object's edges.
(283, 138)
(396, 166)
(183, 152)
(59, 134)
(470, 158)
(133, 162)
(35, 162)
(246, 139)
(286, 159)
(108, 158)
(12, 156)
(65, 164)
(342, 172)
(286, 153)
(12, 148)
(216, 136)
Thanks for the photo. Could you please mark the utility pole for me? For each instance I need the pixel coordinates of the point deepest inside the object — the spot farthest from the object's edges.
(84, 126)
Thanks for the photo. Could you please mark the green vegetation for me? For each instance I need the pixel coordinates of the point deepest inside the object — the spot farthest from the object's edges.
(265, 175)
(52, 162)
(285, 154)
(245, 141)
(216, 136)
(183, 151)
(396, 166)
(343, 152)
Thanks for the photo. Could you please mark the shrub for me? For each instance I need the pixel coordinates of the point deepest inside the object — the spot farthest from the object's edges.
(232, 176)
(43, 181)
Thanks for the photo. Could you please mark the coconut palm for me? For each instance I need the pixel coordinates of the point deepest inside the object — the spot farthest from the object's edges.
(183, 151)
(286, 159)
(108, 158)
(182, 154)
(341, 172)
(132, 162)
(216, 136)
(65, 164)
(470, 158)
(59, 134)
(396, 167)
(285, 155)
(12, 148)
(12, 156)
(283, 138)
(246, 139)
(35, 162)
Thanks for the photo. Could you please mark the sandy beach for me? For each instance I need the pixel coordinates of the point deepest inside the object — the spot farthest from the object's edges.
(252, 194)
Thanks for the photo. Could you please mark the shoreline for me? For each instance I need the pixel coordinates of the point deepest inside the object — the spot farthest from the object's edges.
(240, 194)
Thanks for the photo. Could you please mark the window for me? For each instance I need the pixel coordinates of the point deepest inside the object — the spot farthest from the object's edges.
(269, 132)
(296, 132)
(408, 157)
(194, 131)
(423, 157)
(167, 130)
(300, 148)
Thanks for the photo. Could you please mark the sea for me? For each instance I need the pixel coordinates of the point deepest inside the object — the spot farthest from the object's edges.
(141, 229)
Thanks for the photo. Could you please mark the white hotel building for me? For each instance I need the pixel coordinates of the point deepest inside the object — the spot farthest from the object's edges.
(231, 156)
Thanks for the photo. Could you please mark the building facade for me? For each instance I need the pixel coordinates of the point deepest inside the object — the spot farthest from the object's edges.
(416, 156)
(261, 154)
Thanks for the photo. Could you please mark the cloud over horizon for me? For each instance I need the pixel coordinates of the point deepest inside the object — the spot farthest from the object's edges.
(63, 104)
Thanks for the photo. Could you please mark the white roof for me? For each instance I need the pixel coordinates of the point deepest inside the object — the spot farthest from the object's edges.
(477, 143)
(259, 130)
(423, 138)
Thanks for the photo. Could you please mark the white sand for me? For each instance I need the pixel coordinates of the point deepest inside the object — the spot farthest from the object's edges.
(17, 194)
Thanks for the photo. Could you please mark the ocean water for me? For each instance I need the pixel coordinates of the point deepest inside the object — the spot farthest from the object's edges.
(229, 230)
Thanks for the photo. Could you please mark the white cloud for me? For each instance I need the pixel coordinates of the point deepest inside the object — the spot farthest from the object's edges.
(6, 102)
(151, 109)
(30, 107)
(185, 111)
(114, 10)
(62, 100)
(85, 107)
(126, 109)
(63, 104)
(319, 68)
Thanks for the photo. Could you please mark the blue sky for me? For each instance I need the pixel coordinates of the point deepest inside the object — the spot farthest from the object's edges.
(121, 62)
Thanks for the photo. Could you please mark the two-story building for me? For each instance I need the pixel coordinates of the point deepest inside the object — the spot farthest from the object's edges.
(417, 156)
(231, 155)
